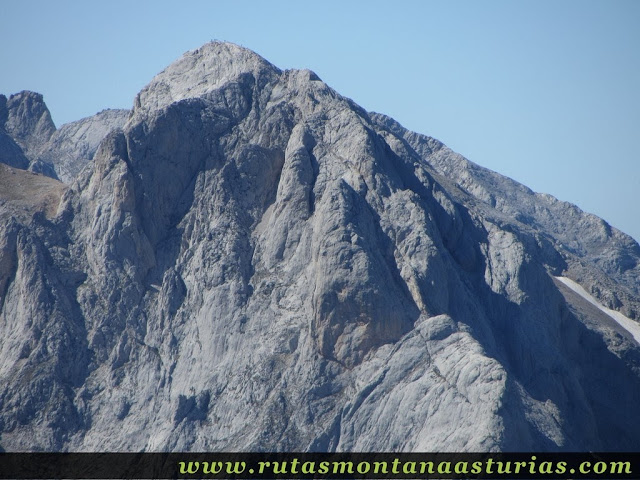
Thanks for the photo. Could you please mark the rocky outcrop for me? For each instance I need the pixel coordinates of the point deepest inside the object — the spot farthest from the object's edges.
(10, 152)
(28, 122)
(29, 139)
(253, 262)
(74, 144)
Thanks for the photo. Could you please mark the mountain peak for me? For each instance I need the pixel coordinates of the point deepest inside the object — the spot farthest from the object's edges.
(28, 121)
(253, 262)
(25, 95)
(201, 71)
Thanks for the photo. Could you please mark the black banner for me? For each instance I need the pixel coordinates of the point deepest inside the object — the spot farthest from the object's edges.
(319, 465)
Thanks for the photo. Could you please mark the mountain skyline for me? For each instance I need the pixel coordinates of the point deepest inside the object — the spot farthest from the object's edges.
(251, 261)
(542, 92)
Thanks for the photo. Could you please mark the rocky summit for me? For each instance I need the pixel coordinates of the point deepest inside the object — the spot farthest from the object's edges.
(249, 261)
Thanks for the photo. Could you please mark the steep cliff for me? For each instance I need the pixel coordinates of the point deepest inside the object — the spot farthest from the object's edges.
(30, 140)
(74, 144)
(253, 262)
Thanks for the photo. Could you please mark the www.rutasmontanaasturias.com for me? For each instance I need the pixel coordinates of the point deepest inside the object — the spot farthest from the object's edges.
(398, 468)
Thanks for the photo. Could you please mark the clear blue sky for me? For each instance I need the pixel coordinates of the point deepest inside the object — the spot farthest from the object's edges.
(546, 92)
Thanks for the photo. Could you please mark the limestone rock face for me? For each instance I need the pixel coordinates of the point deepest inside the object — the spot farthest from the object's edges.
(250, 261)
(28, 121)
(74, 144)
(11, 152)
(29, 139)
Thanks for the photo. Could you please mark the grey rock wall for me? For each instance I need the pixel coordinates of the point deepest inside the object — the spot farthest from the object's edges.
(30, 140)
(74, 144)
(253, 262)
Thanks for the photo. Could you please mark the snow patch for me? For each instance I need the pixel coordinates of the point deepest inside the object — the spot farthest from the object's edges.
(625, 322)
